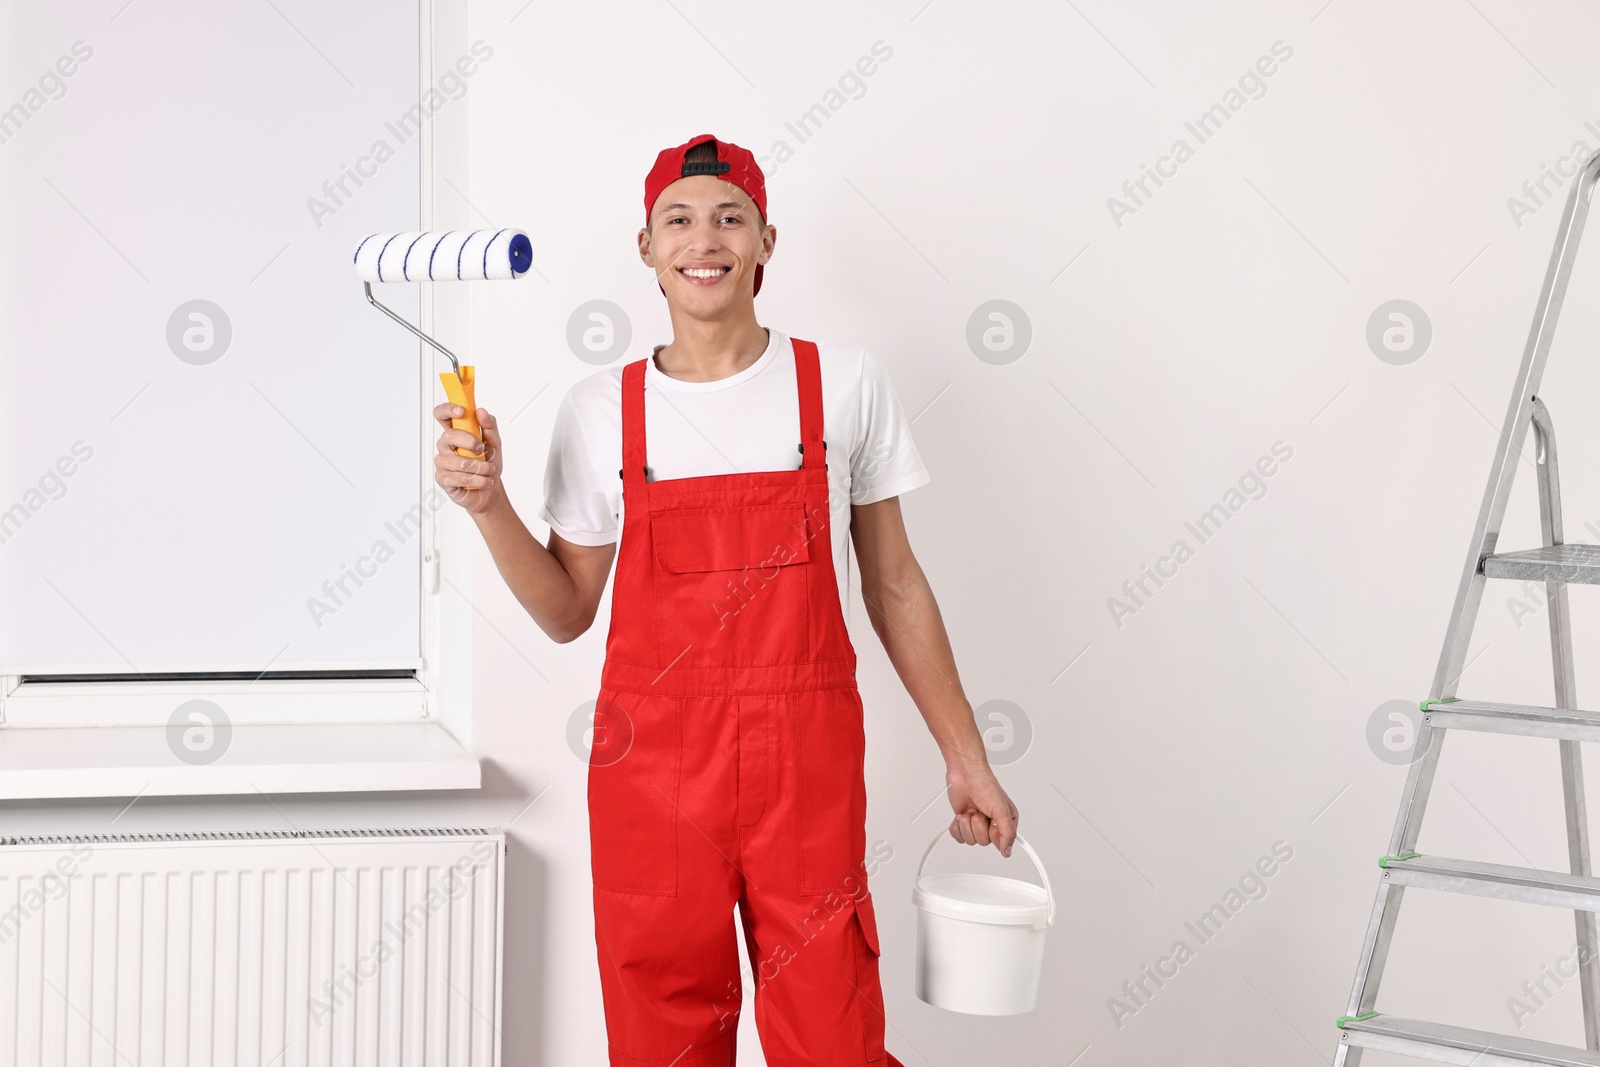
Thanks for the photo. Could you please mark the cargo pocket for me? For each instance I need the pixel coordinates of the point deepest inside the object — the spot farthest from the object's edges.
(868, 984)
(633, 793)
(831, 746)
(737, 578)
(868, 918)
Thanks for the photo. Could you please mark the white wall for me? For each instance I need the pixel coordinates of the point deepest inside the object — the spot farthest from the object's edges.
(1228, 313)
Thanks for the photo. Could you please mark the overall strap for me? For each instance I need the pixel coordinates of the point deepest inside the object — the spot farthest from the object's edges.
(633, 451)
(808, 376)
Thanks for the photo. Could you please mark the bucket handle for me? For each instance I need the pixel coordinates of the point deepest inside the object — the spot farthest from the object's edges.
(1050, 896)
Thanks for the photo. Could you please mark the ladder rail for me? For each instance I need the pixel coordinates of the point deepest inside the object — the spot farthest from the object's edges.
(1566, 693)
(1463, 615)
(1519, 413)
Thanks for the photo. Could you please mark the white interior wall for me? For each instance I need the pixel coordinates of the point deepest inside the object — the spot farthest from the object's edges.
(1223, 316)
(1227, 314)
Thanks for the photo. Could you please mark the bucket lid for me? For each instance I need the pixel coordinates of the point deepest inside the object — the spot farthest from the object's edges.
(984, 898)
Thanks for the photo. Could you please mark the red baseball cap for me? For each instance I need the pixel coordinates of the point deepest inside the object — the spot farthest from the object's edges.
(733, 164)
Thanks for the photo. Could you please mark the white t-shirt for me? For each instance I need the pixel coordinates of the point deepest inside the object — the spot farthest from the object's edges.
(749, 421)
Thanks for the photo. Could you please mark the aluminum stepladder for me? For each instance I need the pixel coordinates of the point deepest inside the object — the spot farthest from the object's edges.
(1557, 564)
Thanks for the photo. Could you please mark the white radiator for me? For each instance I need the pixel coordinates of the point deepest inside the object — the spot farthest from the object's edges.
(315, 948)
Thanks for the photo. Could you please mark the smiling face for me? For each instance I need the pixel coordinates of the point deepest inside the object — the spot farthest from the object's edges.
(704, 241)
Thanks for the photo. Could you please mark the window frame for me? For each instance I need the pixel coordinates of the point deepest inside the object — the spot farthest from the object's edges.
(410, 733)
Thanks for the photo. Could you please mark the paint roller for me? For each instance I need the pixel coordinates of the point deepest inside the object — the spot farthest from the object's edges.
(451, 255)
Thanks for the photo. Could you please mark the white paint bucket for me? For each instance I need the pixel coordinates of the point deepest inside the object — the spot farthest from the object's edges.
(980, 938)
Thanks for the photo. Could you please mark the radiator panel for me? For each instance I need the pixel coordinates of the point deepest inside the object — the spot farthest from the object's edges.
(310, 949)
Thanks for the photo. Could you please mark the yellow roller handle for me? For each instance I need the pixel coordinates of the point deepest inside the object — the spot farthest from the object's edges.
(460, 391)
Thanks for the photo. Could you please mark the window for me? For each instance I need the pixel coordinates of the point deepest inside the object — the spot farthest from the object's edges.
(216, 482)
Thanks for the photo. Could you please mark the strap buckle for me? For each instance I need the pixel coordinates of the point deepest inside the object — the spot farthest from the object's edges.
(824, 453)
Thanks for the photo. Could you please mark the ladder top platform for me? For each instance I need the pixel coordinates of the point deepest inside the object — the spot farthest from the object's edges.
(1567, 564)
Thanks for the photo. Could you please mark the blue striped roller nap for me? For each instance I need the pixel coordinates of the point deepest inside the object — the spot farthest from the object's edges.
(444, 256)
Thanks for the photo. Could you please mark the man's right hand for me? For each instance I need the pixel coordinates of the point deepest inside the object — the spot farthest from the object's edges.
(454, 472)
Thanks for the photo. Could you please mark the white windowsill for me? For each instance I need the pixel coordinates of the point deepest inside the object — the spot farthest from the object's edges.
(38, 762)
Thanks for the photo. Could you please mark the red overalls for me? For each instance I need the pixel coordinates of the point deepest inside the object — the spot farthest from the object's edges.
(727, 766)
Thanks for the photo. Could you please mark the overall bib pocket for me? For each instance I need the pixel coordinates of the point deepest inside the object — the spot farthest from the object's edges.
(731, 585)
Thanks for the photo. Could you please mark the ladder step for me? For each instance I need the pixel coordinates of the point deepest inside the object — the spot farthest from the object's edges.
(1527, 885)
(1568, 723)
(1459, 1045)
(1569, 564)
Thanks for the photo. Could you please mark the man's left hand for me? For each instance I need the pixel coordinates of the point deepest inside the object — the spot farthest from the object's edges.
(984, 813)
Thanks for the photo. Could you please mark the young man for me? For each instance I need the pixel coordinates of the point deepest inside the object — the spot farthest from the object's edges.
(728, 744)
